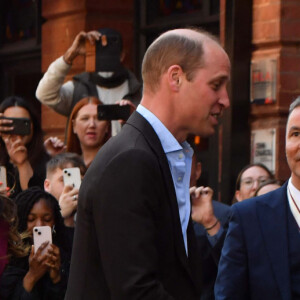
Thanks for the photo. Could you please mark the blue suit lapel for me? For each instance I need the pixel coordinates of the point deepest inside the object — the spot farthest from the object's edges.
(272, 216)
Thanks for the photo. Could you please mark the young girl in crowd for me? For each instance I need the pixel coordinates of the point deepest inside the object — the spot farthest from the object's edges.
(38, 275)
(23, 156)
(85, 133)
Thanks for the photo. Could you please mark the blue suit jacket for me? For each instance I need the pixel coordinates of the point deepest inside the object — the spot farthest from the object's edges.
(254, 263)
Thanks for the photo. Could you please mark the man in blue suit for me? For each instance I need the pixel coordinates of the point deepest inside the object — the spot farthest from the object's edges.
(261, 258)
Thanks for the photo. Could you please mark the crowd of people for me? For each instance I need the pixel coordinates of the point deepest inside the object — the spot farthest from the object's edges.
(140, 227)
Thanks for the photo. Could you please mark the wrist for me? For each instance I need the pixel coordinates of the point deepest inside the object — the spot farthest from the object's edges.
(29, 281)
(210, 222)
(56, 278)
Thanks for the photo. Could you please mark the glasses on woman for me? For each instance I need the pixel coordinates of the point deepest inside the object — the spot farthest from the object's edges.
(248, 182)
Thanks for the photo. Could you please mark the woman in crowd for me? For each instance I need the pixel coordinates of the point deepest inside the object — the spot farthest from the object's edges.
(249, 178)
(85, 133)
(10, 239)
(267, 186)
(23, 156)
(38, 275)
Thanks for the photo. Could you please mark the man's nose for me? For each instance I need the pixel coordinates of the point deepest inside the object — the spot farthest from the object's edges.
(224, 99)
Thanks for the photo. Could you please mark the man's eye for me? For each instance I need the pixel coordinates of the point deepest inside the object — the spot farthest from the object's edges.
(216, 86)
(296, 133)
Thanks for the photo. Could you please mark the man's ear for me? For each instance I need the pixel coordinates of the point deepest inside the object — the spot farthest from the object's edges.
(47, 185)
(175, 77)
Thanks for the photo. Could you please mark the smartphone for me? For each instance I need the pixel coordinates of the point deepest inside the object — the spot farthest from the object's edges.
(21, 126)
(41, 234)
(3, 177)
(113, 112)
(72, 177)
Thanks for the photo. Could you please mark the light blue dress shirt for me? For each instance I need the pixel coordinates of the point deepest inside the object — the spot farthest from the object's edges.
(180, 162)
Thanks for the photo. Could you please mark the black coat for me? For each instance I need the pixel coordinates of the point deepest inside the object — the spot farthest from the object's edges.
(128, 240)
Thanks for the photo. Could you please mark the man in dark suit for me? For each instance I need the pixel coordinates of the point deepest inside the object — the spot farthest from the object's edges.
(261, 258)
(134, 238)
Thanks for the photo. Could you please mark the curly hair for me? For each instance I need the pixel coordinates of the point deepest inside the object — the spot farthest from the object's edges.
(25, 202)
(8, 215)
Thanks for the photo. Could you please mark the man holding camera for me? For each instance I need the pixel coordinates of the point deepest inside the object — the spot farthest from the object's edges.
(110, 83)
(134, 238)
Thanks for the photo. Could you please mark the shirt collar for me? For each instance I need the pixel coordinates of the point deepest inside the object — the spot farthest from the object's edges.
(295, 192)
(168, 141)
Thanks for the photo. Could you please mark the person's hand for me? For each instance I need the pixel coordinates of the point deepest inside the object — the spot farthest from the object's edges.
(124, 102)
(16, 150)
(68, 201)
(37, 267)
(202, 209)
(54, 146)
(53, 262)
(3, 128)
(78, 46)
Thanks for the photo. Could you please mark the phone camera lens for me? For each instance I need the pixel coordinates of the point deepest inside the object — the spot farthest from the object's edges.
(35, 229)
(65, 171)
(39, 233)
(69, 174)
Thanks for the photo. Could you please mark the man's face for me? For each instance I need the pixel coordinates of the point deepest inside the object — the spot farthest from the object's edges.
(292, 145)
(204, 98)
(54, 183)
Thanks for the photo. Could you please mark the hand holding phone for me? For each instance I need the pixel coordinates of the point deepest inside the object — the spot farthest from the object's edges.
(17, 126)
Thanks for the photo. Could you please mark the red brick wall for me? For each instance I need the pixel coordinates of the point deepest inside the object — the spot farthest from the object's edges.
(64, 19)
(276, 34)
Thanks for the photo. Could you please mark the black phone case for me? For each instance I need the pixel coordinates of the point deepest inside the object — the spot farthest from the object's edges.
(113, 112)
(21, 126)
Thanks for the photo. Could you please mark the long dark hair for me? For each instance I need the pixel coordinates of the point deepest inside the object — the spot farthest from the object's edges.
(35, 148)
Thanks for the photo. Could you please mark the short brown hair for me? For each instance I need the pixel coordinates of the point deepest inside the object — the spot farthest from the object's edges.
(173, 49)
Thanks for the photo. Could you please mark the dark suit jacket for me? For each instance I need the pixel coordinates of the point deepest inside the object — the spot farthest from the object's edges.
(128, 240)
(254, 263)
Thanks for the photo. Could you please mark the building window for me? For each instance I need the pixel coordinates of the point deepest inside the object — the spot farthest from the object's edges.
(20, 21)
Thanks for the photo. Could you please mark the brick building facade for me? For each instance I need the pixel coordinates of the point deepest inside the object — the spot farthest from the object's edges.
(261, 37)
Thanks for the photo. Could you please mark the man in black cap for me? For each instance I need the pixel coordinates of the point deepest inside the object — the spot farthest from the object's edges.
(111, 82)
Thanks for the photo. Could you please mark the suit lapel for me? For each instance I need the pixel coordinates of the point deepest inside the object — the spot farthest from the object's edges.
(141, 124)
(273, 221)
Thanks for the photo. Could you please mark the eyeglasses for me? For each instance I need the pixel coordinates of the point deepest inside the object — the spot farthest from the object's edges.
(249, 182)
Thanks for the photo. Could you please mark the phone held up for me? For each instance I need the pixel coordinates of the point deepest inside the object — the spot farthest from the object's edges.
(113, 112)
(41, 234)
(21, 126)
(71, 176)
(3, 178)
